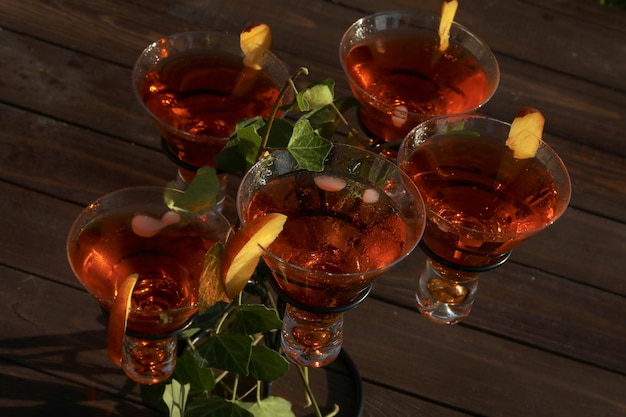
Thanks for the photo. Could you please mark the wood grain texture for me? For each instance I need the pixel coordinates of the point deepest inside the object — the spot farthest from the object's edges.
(547, 334)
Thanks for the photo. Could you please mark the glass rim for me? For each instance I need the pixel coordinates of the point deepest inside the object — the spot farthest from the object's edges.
(75, 230)
(493, 84)
(138, 76)
(562, 200)
(407, 183)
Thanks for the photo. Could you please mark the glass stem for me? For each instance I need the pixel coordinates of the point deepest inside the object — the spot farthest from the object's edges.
(445, 295)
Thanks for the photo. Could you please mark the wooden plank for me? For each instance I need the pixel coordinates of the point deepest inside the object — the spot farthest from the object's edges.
(65, 360)
(382, 402)
(34, 230)
(54, 329)
(589, 45)
(116, 31)
(73, 163)
(75, 171)
(576, 110)
(533, 307)
(599, 192)
(32, 82)
(117, 113)
(511, 300)
(576, 231)
(54, 81)
(590, 250)
(592, 12)
(544, 337)
(28, 392)
(472, 371)
(557, 90)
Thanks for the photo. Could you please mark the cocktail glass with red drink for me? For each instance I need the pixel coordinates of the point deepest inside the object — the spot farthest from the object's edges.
(400, 77)
(481, 203)
(345, 226)
(136, 231)
(195, 87)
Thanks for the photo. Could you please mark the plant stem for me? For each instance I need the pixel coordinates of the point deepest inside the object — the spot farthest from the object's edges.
(235, 386)
(355, 133)
(343, 119)
(270, 121)
(221, 376)
(259, 392)
(305, 381)
(254, 388)
(222, 320)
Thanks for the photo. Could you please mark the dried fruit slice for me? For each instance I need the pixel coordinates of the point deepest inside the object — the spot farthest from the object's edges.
(526, 133)
(448, 11)
(211, 288)
(242, 251)
(118, 318)
(255, 40)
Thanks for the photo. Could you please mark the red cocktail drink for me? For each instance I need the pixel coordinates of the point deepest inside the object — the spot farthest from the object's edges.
(401, 78)
(345, 226)
(475, 184)
(196, 88)
(481, 201)
(109, 241)
(346, 234)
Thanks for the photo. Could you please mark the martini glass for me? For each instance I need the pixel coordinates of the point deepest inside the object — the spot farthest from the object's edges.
(481, 203)
(346, 225)
(113, 237)
(195, 88)
(397, 73)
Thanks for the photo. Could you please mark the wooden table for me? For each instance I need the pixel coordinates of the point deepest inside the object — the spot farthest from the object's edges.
(547, 336)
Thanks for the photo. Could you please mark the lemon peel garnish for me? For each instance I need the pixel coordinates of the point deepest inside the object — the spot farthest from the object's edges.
(448, 11)
(255, 41)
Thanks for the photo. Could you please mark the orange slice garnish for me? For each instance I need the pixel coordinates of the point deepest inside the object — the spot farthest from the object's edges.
(118, 318)
(243, 251)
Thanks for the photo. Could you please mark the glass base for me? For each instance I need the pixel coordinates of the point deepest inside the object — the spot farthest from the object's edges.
(309, 339)
(149, 361)
(444, 295)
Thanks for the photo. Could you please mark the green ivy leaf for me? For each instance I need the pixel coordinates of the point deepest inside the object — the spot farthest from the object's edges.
(256, 122)
(233, 157)
(253, 318)
(279, 135)
(209, 318)
(189, 371)
(269, 407)
(175, 397)
(229, 159)
(242, 149)
(267, 364)
(326, 119)
(249, 144)
(216, 407)
(307, 147)
(317, 94)
(228, 352)
(200, 194)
